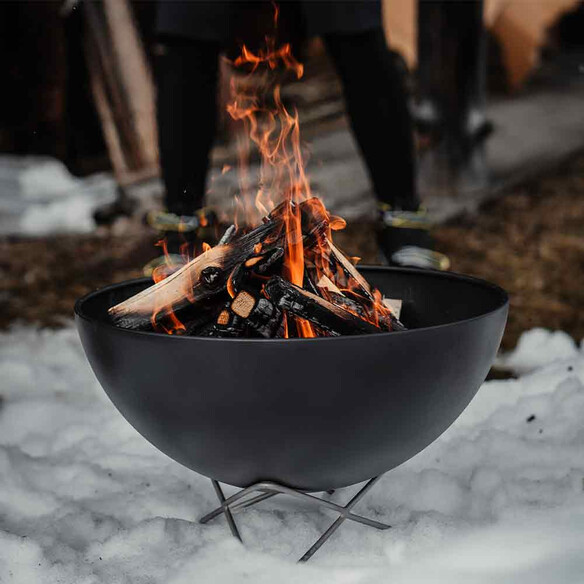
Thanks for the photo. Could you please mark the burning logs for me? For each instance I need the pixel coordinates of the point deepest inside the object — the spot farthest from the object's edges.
(208, 273)
(205, 276)
(324, 314)
(285, 278)
(260, 314)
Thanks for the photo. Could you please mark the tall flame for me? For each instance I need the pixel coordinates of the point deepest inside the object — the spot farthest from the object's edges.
(275, 132)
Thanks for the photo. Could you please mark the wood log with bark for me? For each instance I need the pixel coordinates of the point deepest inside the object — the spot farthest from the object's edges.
(205, 276)
(209, 273)
(242, 287)
(324, 314)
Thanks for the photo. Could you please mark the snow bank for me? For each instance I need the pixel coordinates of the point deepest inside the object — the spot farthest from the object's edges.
(539, 347)
(39, 196)
(35, 178)
(85, 500)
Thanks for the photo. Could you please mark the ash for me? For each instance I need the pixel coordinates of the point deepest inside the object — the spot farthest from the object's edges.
(84, 499)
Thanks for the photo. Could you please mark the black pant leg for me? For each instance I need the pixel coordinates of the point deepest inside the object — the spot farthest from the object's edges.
(377, 106)
(186, 76)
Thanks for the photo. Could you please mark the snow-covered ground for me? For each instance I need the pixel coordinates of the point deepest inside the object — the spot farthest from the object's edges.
(39, 196)
(84, 499)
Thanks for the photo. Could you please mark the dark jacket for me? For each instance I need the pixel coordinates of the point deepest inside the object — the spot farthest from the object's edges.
(236, 22)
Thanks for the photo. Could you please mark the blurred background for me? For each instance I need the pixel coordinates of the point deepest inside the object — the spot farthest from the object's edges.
(496, 92)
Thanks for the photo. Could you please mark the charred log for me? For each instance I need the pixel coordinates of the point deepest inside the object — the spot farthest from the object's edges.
(208, 273)
(201, 278)
(199, 317)
(256, 267)
(228, 235)
(350, 270)
(383, 317)
(227, 325)
(261, 315)
(246, 267)
(317, 310)
(247, 315)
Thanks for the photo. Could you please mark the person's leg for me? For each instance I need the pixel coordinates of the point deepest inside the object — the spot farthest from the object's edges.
(186, 78)
(377, 106)
(186, 72)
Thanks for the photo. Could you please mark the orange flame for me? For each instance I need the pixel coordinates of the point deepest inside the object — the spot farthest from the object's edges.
(274, 130)
(166, 321)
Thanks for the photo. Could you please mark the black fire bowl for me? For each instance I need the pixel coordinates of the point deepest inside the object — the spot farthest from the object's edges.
(312, 414)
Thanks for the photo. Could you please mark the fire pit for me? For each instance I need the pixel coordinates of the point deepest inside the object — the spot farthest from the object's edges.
(268, 361)
(302, 415)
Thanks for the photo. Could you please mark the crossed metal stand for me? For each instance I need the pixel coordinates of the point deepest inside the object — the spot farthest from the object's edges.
(268, 489)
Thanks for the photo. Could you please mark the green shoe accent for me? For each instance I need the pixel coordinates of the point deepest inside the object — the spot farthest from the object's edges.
(419, 257)
(404, 219)
(164, 221)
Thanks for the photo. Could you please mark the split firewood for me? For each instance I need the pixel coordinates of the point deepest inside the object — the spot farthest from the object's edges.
(317, 310)
(200, 316)
(258, 265)
(247, 315)
(228, 324)
(267, 261)
(350, 269)
(308, 282)
(243, 304)
(327, 284)
(385, 319)
(261, 315)
(201, 278)
(235, 289)
(187, 284)
(314, 217)
(395, 305)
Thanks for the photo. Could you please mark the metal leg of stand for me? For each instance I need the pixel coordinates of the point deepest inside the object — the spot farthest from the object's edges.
(226, 510)
(344, 511)
(237, 506)
(338, 522)
(269, 489)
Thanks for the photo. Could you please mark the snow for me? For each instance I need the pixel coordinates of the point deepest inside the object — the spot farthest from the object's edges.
(38, 196)
(539, 347)
(84, 499)
(72, 214)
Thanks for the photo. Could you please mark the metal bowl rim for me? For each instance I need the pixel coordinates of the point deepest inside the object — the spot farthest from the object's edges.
(503, 303)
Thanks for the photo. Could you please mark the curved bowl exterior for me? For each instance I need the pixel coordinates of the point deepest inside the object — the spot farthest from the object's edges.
(313, 414)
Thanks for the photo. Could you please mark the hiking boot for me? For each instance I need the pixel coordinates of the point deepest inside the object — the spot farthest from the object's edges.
(404, 239)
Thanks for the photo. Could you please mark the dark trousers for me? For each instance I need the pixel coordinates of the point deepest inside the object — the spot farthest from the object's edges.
(376, 103)
(451, 53)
